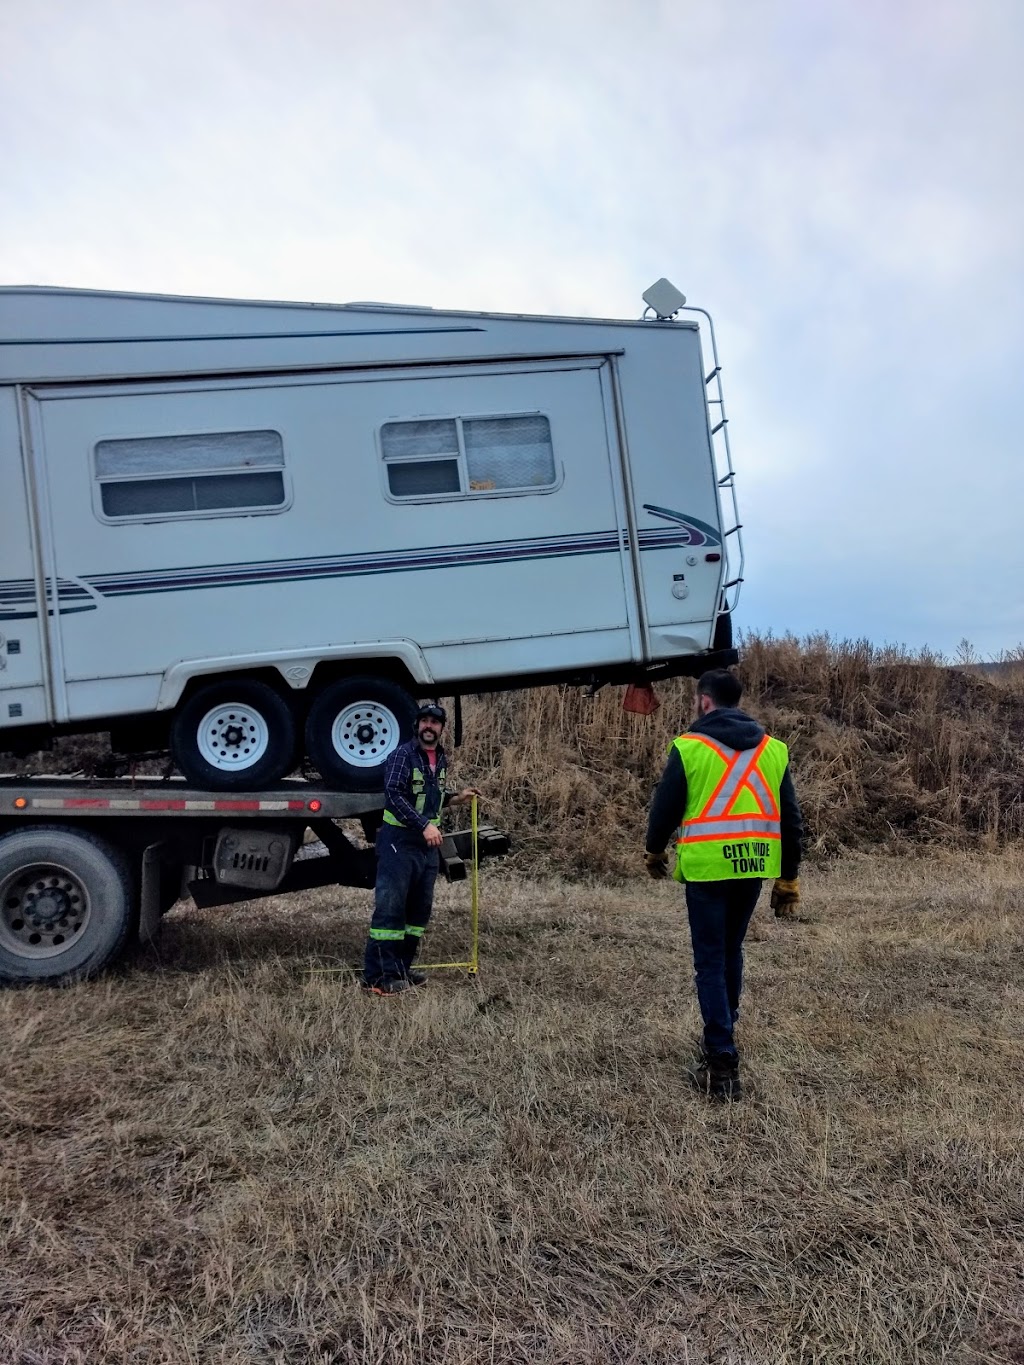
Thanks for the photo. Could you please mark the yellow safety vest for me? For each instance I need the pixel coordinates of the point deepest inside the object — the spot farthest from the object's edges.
(731, 826)
(419, 796)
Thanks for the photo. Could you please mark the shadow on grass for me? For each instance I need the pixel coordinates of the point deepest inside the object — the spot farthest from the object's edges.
(197, 941)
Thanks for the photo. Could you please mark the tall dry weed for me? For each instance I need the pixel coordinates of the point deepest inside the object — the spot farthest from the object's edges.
(885, 746)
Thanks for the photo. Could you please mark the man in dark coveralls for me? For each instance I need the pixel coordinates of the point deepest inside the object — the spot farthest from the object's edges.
(415, 780)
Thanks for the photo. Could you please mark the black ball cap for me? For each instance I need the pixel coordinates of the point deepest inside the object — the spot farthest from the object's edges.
(431, 711)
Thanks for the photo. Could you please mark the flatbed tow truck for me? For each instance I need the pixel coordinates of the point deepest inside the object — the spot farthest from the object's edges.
(90, 867)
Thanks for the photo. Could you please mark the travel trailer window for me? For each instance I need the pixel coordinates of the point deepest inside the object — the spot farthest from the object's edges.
(456, 456)
(211, 474)
(509, 452)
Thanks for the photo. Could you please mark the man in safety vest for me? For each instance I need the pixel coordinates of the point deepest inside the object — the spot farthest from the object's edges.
(727, 795)
(415, 777)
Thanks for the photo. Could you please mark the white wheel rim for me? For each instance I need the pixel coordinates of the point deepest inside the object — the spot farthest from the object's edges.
(365, 733)
(232, 737)
(44, 911)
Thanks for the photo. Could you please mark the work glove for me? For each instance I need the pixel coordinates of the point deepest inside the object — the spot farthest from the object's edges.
(785, 897)
(657, 865)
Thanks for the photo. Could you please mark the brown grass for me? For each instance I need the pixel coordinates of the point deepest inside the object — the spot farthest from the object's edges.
(223, 1155)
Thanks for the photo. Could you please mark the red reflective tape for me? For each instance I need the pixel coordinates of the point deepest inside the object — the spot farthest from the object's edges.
(74, 802)
(163, 805)
(236, 805)
(296, 805)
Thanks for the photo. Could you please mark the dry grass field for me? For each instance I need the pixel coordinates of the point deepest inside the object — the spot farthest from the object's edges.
(223, 1155)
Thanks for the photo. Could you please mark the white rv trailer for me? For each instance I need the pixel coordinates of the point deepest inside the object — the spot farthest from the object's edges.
(247, 529)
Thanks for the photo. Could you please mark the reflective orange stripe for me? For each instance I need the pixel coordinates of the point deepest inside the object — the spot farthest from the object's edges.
(704, 818)
(733, 787)
(729, 756)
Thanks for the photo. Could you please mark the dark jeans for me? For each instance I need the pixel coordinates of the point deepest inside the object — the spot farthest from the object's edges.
(402, 901)
(719, 914)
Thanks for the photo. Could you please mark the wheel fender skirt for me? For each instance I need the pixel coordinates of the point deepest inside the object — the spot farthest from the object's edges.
(295, 666)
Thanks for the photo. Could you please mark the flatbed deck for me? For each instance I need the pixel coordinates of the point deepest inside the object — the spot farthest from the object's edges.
(49, 796)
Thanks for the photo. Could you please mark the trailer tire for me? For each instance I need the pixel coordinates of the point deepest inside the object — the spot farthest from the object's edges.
(234, 736)
(354, 726)
(66, 904)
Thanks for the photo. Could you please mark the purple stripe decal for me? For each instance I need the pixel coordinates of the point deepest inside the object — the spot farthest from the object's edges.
(431, 557)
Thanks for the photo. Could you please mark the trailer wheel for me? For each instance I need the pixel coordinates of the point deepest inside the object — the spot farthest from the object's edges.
(234, 736)
(65, 904)
(354, 726)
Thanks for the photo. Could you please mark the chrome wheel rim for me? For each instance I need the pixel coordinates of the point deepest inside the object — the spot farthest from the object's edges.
(232, 737)
(365, 733)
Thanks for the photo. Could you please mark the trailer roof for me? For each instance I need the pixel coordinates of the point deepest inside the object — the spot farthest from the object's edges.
(116, 299)
(55, 335)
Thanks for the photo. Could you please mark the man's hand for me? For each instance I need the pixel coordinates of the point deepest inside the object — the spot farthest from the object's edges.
(433, 836)
(657, 865)
(464, 797)
(785, 898)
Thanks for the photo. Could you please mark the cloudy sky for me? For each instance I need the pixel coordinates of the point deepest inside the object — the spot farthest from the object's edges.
(838, 181)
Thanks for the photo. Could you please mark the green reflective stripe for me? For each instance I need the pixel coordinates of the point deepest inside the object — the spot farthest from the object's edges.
(390, 819)
(415, 930)
(419, 795)
(387, 935)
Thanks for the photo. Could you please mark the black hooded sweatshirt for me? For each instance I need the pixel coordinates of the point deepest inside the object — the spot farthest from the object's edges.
(739, 731)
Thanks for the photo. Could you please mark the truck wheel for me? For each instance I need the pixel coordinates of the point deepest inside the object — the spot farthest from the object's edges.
(234, 736)
(65, 904)
(354, 726)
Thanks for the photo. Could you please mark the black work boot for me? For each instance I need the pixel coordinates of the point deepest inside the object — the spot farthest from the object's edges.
(700, 1044)
(717, 1075)
(387, 985)
(409, 949)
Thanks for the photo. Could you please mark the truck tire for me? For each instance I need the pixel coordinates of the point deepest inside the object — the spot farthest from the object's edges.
(234, 736)
(66, 904)
(354, 726)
